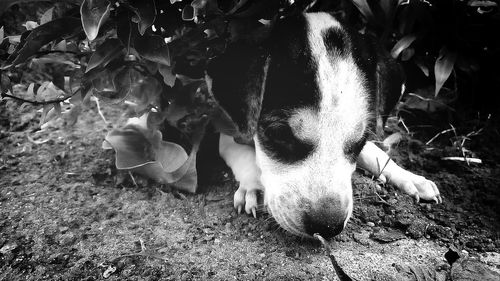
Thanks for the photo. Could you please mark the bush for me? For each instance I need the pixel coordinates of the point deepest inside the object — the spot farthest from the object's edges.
(152, 54)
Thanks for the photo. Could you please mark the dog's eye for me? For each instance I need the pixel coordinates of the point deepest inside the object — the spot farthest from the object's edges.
(279, 141)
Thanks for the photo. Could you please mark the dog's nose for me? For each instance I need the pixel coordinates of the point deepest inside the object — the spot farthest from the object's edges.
(327, 217)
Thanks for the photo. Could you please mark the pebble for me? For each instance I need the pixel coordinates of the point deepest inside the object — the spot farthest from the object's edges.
(8, 248)
(370, 224)
(67, 239)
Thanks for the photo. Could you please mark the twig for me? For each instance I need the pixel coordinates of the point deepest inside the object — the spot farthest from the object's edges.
(382, 200)
(468, 160)
(34, 102)
(141, 254)
(37, 142)
(437, 135)
(47, 52)
(133, 179)
(383, 168)
(340, 272)
(404, 125)
(378, 178)
(96, 100)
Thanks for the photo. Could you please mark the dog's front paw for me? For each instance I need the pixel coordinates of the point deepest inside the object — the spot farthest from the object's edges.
(246, 197)
(416, 186)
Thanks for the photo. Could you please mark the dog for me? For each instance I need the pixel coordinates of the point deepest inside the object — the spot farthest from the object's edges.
(304, 106)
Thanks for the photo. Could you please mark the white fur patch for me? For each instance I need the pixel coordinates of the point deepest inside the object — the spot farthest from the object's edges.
(343, 98)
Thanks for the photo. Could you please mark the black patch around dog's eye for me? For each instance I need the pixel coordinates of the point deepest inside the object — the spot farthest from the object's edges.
(353, 148)
(279, 141)
(336, 42)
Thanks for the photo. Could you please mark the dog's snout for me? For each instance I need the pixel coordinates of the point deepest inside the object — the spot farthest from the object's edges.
(326, 218)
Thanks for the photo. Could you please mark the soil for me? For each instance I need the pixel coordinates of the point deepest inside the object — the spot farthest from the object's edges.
(67, 214)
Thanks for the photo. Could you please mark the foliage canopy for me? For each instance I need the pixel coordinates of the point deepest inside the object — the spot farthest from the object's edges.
(152, 54)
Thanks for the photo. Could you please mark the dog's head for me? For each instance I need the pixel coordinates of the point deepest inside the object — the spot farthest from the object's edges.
(307, 100)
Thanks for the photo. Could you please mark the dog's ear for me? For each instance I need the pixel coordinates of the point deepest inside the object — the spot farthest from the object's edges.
(390, 81)
(236, 79)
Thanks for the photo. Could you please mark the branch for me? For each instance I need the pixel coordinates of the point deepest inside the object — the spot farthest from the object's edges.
(48, 52)
(34, 102)
(5, 4)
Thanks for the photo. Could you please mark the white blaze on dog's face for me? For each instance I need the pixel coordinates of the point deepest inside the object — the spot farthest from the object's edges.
(312, 124)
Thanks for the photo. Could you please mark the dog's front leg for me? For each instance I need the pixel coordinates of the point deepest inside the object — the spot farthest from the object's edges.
(373, 159)
(241, 159)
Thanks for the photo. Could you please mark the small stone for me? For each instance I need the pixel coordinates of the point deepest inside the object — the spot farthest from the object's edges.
(8, 248)
(370, 224)
(361, 239)
(67, 239)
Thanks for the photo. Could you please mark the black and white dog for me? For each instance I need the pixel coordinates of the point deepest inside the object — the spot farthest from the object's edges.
(308, 100)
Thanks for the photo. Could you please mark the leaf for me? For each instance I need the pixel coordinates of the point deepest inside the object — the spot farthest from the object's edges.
(5, 4)
(94, 14)
(71, 116)
(238, 6)
(47, 16)
(124, 30)
(407, 54)
(189, 181)
(102, 84)
(206, 7)
(188, 13)
(115, 83)
(53, 113)
(388, 7)
(422, 66)
(105, 53)
(146, 95)
(48, 92)
(443, 67)
(30, 25)
(424, 99)
(260, 9)
(153, 48)
(125, 81)
(402, 44)
(135, 147)
(146, 11)
(46, 108)
(42, 35)
(30, 91)
(143, 151)
(364, 9)
(61, 46)
(168, 76)
(481, 3)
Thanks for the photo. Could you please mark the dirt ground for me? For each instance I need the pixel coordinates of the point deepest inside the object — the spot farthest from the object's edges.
(67, 214)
